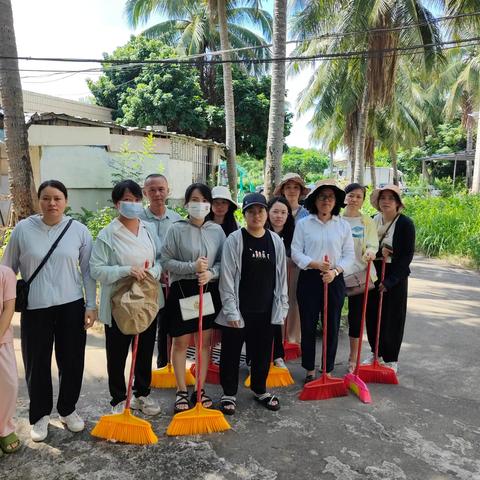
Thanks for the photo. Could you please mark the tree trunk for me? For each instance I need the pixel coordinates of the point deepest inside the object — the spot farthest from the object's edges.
(22, 185)
(476, 164)
(370, 159)
(276, 119)
(228, 96)
(359, 175)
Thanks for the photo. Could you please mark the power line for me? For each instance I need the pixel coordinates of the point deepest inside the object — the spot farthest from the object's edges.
(186, 59)
(297, 58)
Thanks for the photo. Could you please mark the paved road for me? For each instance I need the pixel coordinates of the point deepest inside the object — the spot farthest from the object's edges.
(426, 428)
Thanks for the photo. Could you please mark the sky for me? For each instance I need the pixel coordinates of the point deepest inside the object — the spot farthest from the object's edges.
(87, 29)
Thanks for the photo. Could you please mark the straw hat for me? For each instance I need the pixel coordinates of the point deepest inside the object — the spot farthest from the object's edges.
(293, 177)
(224, 193)
(393, 188)
(327, 183)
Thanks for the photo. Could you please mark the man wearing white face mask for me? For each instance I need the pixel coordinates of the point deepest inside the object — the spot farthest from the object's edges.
(126, 247)
(191, 253)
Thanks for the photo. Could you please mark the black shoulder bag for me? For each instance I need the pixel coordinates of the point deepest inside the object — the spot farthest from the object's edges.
(23, 287)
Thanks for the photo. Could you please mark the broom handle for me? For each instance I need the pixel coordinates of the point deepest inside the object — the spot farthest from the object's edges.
(325, 321)
(364, 315)
(200, 344)
(285, 330)
(132, 370)
(379, 311)
(169, 339)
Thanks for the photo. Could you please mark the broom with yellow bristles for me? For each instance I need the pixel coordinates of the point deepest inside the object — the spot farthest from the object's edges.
(165, 377)
(199, 419)
(125, 427)
(277, 377)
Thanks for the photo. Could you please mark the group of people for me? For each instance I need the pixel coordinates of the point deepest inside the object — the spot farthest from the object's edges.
(254, 278)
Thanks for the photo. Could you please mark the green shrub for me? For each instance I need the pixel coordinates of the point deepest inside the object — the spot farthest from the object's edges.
(100, 219)
(447, 225)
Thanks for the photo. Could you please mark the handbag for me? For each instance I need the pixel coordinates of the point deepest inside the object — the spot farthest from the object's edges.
(135, 304)
(189, 306)
(23, 287)
(355, 283)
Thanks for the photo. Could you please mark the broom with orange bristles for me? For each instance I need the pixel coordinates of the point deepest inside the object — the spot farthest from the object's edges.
(277, 376)
(198, 419)
(376, 372)
(125, 427)
(165, 377)
(352, 380)
(326, 386)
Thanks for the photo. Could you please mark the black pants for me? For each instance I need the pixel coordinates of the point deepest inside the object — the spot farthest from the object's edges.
(310, 303)
(394, 312)
(117, 345)
(163, 355)
(258, 335)
(278, 351)
(62, 325)
(355, 305)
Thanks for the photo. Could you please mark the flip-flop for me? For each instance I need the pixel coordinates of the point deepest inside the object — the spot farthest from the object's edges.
(7, 442)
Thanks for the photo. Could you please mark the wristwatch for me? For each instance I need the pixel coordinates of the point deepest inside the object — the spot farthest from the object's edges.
(337, 273)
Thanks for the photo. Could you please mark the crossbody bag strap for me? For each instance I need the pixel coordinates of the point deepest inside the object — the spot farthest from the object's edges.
(386, 231)
(47, 256)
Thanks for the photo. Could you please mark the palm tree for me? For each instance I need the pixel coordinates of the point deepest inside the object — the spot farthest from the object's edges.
(22, 185)
(200, 26)
(189, 29)
(276, 119)
(360, 85)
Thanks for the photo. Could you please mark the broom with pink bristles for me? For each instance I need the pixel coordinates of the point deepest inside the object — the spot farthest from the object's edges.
(376, 372)
(353, 381)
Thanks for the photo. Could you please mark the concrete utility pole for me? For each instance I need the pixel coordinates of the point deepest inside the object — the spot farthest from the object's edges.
(476, 164)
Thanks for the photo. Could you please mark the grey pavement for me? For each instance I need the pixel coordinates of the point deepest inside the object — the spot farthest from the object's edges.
(427, 428)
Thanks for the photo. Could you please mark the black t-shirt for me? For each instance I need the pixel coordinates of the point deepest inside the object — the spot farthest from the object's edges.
(257, 282)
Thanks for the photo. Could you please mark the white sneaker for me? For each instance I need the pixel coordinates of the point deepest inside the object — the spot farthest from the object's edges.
(146, 405)
(392, 365)
(119, 407)
(370, 359)
(73, 422)
(279, 362)
(39, 430)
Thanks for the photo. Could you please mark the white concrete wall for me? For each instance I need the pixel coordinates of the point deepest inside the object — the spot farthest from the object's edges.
(44, 135)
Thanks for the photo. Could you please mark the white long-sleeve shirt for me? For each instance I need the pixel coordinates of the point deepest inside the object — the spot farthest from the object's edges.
(313, 239)
(67, 272)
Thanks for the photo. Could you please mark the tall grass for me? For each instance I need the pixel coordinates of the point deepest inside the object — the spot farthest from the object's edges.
(447, 226)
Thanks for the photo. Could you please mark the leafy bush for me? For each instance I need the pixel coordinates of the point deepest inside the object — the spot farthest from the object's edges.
(447, 225)
(100, 219)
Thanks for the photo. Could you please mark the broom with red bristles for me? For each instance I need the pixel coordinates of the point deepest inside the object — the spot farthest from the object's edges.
(376, 372)
(353, 381)
(291, 350)
(326, 386)
(213, 371)
(198, 419)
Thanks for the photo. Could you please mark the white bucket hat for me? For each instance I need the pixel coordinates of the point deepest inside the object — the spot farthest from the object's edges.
(224, 193)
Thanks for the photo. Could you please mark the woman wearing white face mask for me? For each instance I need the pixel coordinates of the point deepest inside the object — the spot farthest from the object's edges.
(125, 248)
(191, 253)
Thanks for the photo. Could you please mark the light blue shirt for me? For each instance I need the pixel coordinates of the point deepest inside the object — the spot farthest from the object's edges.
(66, 274)
(161, 225)
(313, 239)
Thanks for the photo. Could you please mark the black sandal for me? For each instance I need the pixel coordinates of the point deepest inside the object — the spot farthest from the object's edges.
(181, 398)
(308, 379)
(204, 398)
(228, 404)
(267, 400)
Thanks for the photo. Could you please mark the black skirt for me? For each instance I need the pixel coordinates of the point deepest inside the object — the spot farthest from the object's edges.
(186, 288)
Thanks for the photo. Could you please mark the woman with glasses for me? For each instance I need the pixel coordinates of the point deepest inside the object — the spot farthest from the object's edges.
(322, 247)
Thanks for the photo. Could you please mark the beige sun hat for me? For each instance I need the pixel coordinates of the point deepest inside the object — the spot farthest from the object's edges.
(326, 183)
(224, 193)
(294, 177)
(374, 196)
